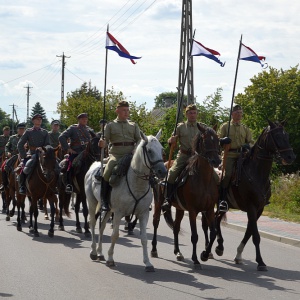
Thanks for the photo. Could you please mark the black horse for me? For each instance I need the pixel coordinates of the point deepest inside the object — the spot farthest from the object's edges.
(252, 191)
(90, 154)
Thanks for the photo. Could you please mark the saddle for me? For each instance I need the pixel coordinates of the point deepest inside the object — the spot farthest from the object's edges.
(120, 170)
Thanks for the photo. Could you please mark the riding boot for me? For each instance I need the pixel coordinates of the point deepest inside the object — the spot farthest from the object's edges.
(69, 187)
(223, 204)
(4, 181)
(168, 200)
(104, 195)
(22, 179)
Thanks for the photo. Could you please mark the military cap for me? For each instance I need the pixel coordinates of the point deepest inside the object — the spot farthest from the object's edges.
(123, 104)
(191, 107)
(21, 125)
(6, 128)
(55, 122)
(36, 116)
(82, 115)
(236, 107)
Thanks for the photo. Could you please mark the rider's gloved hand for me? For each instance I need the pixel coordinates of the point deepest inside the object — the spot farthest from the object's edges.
(225, 141)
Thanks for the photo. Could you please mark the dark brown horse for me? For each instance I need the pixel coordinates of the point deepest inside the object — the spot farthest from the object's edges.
(90, 155)
(253, 189)
(198, 193)
(41, 184)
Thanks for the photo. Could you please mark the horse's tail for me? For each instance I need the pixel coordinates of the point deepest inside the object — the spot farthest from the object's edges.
(169, 218)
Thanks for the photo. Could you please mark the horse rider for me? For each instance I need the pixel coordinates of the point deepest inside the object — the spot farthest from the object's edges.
(240, 139)
(35, 137)
(54, 133)
(11, 152)
(79, 135)
(185, 133)
(123, 135)
(3, 141)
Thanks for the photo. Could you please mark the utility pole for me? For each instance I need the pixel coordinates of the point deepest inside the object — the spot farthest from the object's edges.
(62, 76)
(28, 94)
(13, 119)
(186, 39)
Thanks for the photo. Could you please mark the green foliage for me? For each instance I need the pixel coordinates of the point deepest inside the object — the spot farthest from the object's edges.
(167, 99)
(38, 109)
(274, 95)
(4, 120)
(285, 199)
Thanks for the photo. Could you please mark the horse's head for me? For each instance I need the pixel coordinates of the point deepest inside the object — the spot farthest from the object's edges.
(47, 160)
(153, 154)
(93, 150)
(276, 142)
(206, 144)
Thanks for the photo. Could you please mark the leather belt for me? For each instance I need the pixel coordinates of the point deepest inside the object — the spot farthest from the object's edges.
(238, 150)
(186, 152)
(124, 144)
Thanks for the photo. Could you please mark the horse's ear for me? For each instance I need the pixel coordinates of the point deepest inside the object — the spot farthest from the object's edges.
(272, 125)
(158, 135)
(201, 127)
(144, 137)
(283, 123)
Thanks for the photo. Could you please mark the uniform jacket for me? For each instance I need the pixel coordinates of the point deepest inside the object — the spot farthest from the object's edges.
(34, 137)
(186, 132)
(12, 143)
(53, 136)
(79, 136)
(3, 142)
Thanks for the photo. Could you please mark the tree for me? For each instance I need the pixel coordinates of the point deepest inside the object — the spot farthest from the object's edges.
(167, 99)
(274, 95)
(4, 119)
(38, 109)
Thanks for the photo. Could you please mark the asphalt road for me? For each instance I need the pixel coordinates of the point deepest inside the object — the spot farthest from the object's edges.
(60, 267)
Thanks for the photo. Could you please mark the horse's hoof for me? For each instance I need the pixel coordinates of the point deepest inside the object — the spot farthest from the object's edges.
(239, 261)
(19, 228)
(87, 234)
(203, 256)
(110, 263)
(61, 227)
(154, 254)
(149, 269)
(46, 218)
(179, 257)
(219, 252)
(262, 268)
(93, 256)
(50, 234)
(7, 218)
(36, 234)
(79, 230)
(31, 230)
(101, 257)
(197, 266)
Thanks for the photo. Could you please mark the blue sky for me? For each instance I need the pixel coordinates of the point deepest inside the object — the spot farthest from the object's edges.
(34, 32)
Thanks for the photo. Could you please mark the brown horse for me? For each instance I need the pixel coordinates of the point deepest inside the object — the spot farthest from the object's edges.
(253, 190)
(197, 193)
(41, 184)
(90, 155)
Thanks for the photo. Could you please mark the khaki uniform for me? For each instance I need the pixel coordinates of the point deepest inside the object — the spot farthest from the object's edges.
(53, 136)
(239, 134)
(11, 145)
(3, 142)
(186, 132)
(122, 136)
(34, 137)
(79, 137)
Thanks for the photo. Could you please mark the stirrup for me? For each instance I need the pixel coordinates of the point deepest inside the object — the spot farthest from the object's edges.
(22, 190)
(69, 189)
(223, 206)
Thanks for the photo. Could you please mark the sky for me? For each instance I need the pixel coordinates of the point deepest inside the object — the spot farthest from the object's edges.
(34, 33)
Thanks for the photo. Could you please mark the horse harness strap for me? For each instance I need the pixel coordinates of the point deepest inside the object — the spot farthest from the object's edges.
(187, 152)
(124, 144)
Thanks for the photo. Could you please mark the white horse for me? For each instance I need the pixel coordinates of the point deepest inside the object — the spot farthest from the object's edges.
(132, 196)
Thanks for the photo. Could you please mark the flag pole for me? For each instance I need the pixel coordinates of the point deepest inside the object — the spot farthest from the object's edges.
(103, 121)
(227, 146)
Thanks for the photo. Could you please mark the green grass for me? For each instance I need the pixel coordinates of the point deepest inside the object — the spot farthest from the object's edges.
(285, 199)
